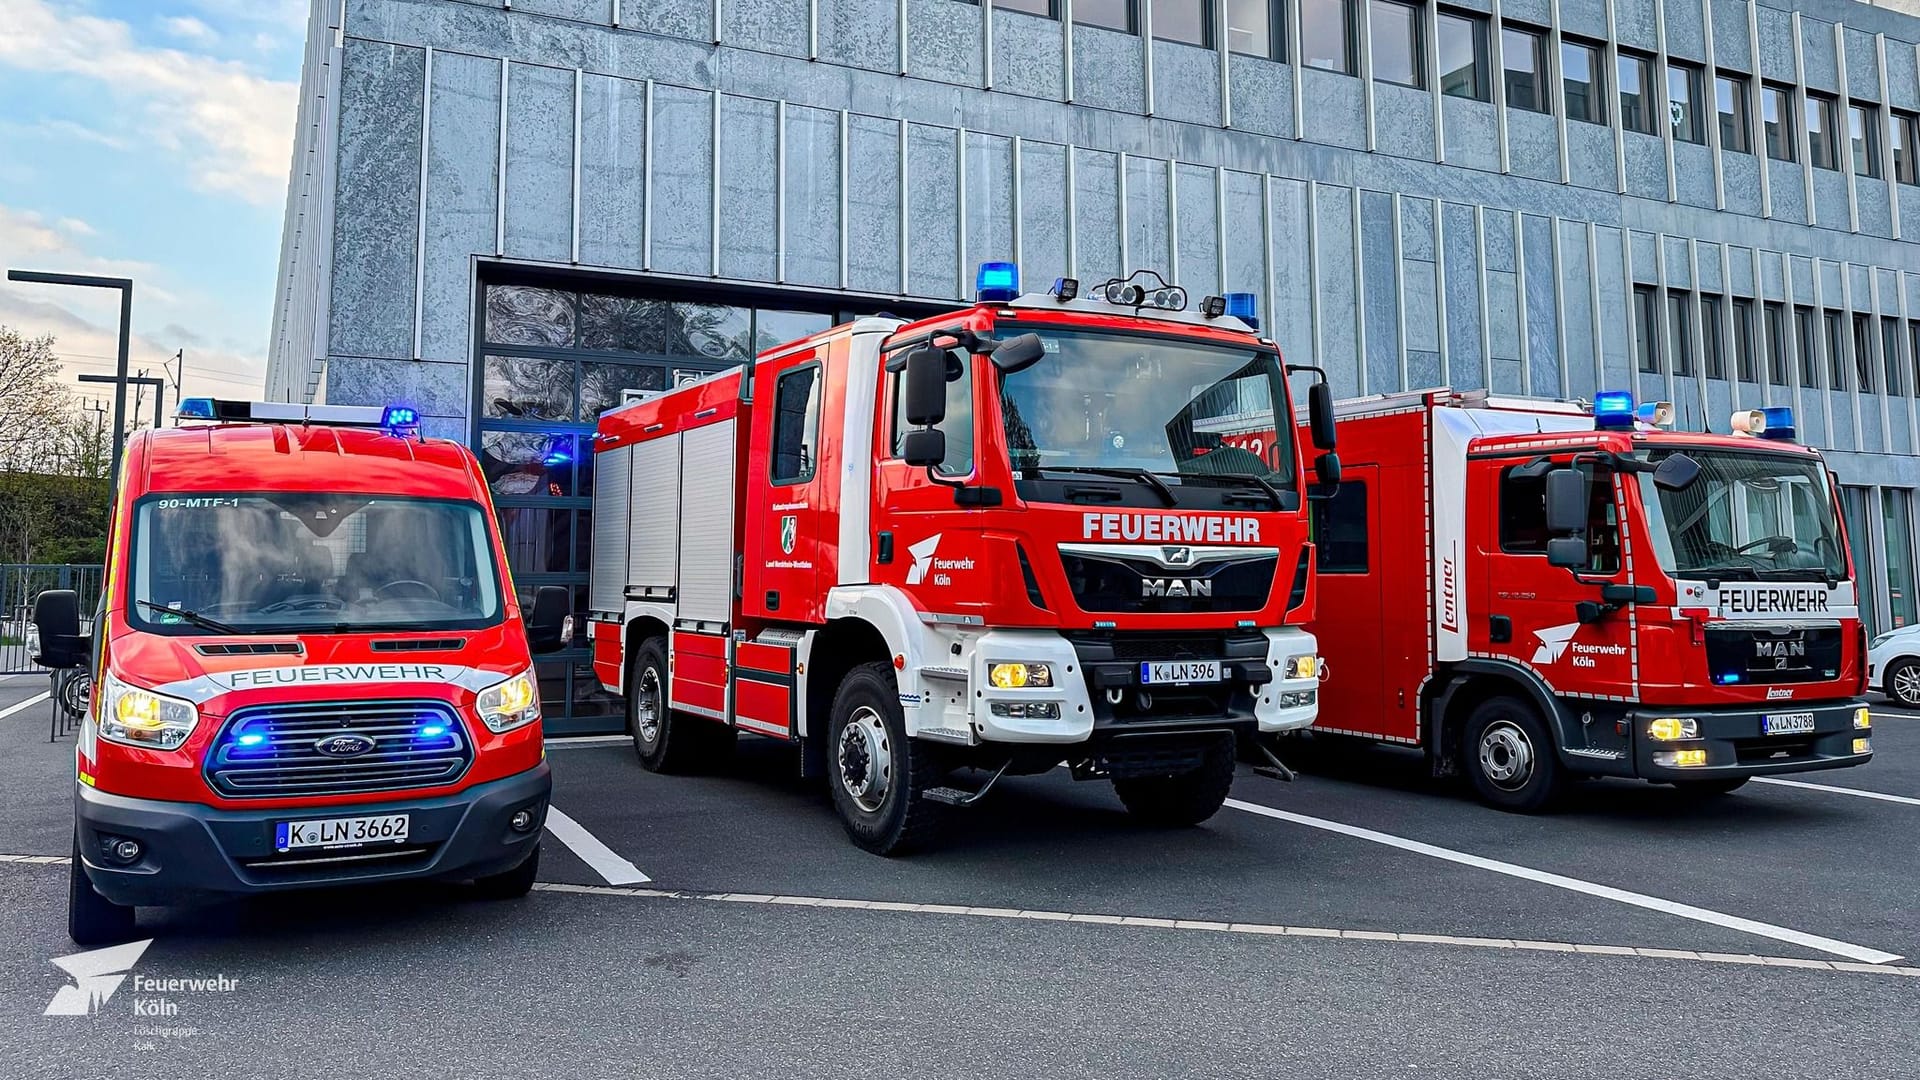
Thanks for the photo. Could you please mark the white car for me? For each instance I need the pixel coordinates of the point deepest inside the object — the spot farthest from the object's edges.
(1893, 665)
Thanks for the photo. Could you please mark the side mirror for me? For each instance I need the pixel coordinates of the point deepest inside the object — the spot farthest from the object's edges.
(56, 614)
(924, 447)
(1676, 472)
(1018, 353)
(924, 387)
(1326, 476)
(551, 624)
(1567, 552)
(1320, 416)
(1567, 503)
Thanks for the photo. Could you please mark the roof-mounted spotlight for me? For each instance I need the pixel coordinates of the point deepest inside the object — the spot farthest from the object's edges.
(1065, 289)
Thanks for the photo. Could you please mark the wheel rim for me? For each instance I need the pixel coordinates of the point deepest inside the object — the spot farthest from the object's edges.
(1906, 684)
(866, 760)
(646, 708)
(1506, 756)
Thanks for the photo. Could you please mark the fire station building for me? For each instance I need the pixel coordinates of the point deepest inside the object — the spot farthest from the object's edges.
(507, 212)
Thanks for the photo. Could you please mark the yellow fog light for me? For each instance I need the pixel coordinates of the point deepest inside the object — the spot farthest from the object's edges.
(1862, 719)
(1019, 676)
(1303, 667)
(1669, 728)
(1863, 746)
(1680, 759)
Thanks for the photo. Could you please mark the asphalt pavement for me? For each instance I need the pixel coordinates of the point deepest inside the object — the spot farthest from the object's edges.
(1363, 921)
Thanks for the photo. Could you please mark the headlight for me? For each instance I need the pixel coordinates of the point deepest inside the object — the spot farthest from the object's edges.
(1669, 728)
(135, 717)
(509, 704)
(1680, 759)
(1303, 667)
(1862, 719)
(1879, 640)
(1019, 676)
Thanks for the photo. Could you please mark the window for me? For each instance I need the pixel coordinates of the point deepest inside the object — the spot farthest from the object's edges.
(1190, 21)
(1809, 347)
(1523, 518)
(1635, 75)
(1820, 146)
(1680, 331)
(1255, 27)
(1777, 373)
(1523, 53)
(1031, 7)
(1836, 352)
(1913, 353)
(1776, 104)
(1730, 97)
(1340, 530)
(1112, 14)
(1683, 103)
(1863, 351)
(1463, 56)
(1906, 141)
(958, 425)
(1854, 503)
(1896, 516)
(1890, 353)
(1582, 81)
(1712, 337)
(1398, 48)
(1326, 35)
(1646, 326)
(1863, 130)
(1746, 367)
(796, 426)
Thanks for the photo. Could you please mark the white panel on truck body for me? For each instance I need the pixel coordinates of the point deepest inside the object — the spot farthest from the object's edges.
(706, 524)
(612, 486)
(653, 515)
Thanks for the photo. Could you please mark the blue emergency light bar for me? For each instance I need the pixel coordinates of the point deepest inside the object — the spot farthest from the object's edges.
(1245, 307)
(1613, 410)
(394, 419)
(195, 408)
(1779, 423)
(997, 283)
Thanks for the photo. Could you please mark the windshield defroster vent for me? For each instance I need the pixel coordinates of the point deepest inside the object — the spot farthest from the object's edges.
(248, 648)
(420, 645)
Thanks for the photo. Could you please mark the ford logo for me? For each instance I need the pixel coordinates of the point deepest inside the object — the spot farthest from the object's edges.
(343, 745)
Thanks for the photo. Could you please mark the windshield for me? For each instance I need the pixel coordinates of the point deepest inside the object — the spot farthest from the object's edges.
(1128, 401)
(1753, 516)
(287, 562)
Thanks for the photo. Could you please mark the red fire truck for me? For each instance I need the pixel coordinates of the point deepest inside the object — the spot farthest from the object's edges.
(1045, 528)
(311, 668)
(1595, 595)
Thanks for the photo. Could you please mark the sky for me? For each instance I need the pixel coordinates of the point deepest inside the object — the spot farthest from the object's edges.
(149, 139)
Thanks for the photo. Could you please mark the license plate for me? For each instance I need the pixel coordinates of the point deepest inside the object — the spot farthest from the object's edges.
(1792, 723)
(1189, 671)
(340, 832)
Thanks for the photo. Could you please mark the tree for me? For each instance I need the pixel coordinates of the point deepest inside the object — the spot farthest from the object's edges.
(32, 402)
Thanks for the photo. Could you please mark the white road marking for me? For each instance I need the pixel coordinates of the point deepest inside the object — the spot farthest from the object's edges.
(1881, 795)
(1560, 881)
(27, 704)
(1249, 929)
(563, 742)
(602, 858)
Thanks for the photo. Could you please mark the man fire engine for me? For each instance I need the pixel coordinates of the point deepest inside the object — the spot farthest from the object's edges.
(1045, 528)
(311, 668)
(1535, 590)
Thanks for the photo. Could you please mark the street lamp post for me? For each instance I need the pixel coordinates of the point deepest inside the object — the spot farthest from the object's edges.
(125, 285)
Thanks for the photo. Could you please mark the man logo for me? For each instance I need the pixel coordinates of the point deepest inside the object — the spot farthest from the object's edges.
(1176, 587)
(789, 533)
(96, 975)
(922, 553)
(1176, 556)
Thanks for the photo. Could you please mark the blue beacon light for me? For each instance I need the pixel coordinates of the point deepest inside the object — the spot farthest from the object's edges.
(1613, 409)
(1245, 307)
(1779, 423)
(998, 282)
(195, 408)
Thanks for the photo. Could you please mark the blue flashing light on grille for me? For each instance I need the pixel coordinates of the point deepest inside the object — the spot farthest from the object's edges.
(195, 408)
(1727, 680)
(399, 418)
(433, 731)
(1245, 307)
(251, 738)
(998, 282)
(1613, 409)
(1779, 423)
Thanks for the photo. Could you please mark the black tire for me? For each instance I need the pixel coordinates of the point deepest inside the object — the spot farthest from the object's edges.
(882, 809)
(1510, 756)
(1183, 800)
(76, 692)
(673, 742)
(1892, 679)
(511, 884)
(1711, 788)
(93, 919)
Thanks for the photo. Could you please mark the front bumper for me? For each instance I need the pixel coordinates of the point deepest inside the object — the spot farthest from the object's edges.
(1736, 745)
(192, 852)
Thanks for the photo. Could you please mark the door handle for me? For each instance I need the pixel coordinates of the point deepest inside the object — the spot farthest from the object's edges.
(1499, 629)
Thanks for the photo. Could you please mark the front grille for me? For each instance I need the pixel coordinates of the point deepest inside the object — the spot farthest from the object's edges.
(419, 645)
(1747, 656)
(1102, 583)
(248, 648)
(269, 751)
(1764, 750)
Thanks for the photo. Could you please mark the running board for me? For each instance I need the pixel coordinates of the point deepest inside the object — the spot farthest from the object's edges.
(959, 797)
(1277, 769)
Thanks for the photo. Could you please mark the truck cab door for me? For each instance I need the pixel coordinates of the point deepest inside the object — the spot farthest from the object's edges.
(925, 541)
(790, 530)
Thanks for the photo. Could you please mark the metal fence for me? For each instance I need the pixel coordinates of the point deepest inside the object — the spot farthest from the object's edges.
(19, 584)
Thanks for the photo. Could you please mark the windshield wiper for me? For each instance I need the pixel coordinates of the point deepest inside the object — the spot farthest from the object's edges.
(1266, 487)
(193, 617)
(1158, 485)
(1714, 574)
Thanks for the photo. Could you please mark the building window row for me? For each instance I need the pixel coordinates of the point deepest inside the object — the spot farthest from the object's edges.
(1884, 358)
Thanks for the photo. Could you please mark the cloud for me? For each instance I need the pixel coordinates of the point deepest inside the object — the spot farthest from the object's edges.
(232, 127)
(188, 28)
(74, 226)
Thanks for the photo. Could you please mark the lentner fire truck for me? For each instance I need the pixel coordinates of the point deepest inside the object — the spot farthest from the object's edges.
(1045, 528)
(1534, 590)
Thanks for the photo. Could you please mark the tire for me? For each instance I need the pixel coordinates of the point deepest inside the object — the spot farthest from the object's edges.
(1902, 682)
(877, 774)
(664, 740)
(93, 919)
(1510, 756)
(512, 884)
(1711, 788)
(76, 692)
(1184, 800)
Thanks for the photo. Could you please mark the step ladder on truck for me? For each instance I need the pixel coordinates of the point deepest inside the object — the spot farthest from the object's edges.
(1045, 528)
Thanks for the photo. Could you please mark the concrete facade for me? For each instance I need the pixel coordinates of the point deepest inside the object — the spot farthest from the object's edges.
(868, 153)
